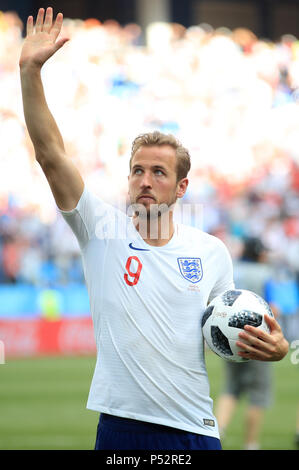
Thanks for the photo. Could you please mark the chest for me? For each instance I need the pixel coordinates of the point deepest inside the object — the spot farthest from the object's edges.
(180, 275)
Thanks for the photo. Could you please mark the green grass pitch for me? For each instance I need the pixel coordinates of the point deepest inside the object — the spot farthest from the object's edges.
(43, 404)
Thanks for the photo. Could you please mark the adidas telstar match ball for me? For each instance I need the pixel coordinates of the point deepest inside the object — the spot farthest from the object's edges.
(227, 314)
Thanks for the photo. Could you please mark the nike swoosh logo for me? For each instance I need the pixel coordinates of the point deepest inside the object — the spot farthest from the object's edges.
(139, 249)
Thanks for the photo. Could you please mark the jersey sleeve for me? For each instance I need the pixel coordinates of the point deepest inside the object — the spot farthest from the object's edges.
(88, 218)
(224, 266)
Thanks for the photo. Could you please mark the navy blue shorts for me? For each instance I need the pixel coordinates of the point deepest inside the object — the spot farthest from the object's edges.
(116, 433)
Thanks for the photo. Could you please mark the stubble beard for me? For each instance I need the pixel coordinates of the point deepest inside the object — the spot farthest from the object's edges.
(153, 221)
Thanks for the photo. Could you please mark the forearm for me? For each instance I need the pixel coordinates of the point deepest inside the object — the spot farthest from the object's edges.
(41, 125)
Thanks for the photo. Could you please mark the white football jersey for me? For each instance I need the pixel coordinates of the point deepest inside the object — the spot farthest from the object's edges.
(146, 304)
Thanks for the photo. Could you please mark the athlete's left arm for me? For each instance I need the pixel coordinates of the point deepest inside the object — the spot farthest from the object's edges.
(263, 346)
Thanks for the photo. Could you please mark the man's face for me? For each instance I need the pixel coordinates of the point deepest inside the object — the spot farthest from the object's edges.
(153, 177)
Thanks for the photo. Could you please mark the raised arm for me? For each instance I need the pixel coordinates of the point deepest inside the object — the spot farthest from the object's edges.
(39, 45)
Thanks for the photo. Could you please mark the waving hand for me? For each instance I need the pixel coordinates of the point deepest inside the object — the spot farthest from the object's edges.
(41, 42)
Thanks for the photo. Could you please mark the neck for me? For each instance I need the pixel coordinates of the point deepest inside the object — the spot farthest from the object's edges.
(156, 231)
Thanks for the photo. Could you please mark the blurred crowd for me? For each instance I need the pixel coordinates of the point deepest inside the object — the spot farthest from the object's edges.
(230, 97)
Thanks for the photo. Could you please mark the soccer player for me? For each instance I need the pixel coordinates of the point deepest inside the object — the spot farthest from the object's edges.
(147, 289)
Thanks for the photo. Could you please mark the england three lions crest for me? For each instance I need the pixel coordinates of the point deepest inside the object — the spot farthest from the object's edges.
(191, 269)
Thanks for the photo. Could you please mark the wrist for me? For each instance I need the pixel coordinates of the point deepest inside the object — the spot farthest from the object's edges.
(30, 67)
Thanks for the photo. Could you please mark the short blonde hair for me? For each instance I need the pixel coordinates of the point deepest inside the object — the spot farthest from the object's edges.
(183, 163)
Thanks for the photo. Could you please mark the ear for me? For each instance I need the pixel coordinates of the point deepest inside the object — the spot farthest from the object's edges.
(182, 187)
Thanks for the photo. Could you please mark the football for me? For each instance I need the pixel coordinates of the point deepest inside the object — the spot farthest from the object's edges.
(226, 315)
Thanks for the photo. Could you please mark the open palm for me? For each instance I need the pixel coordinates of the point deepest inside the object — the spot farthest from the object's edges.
(41, 42)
